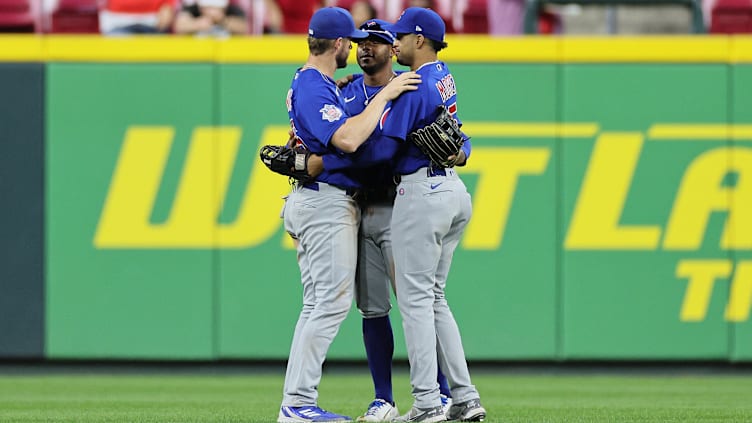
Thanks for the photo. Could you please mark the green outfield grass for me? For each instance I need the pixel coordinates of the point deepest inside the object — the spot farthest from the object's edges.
(255, 398)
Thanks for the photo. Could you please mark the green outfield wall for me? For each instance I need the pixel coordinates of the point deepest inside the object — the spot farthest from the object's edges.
(611, 184)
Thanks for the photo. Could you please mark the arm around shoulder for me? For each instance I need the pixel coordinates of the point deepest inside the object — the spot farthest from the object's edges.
(354, 132)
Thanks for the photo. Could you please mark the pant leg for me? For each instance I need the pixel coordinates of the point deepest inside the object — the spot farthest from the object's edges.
(417, 218)
(449, 341)
(326, 225)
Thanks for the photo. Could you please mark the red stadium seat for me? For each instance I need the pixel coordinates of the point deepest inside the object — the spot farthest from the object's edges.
(18, 16)
(731, 16)
(475, 18)
(76, 16)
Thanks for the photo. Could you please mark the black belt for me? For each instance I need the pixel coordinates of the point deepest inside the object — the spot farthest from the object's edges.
(439, 171)
(352, 192)
(378, 195)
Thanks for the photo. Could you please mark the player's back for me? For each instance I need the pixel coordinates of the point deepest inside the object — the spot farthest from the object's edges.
(315, 108)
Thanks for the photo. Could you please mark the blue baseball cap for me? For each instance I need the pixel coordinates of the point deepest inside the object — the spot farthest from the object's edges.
(376, 28)
(417, 20)
(334, 22)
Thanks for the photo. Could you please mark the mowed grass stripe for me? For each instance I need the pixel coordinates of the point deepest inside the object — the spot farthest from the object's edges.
(255, 398)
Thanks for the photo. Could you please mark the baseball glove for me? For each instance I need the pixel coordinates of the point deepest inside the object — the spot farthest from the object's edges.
(440, 140)
(292, 162)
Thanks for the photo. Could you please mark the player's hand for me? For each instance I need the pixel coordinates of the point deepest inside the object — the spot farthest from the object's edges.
(315, 165)
(457, 160)
(342, 82)
(291, 139)
(406, 81)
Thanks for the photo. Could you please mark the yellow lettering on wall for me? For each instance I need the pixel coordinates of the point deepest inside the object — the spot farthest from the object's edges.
(737, 233)
(595, 221)
(193, 221)
(499, 169)
(258, 218)
(702, 275)
(702, 193)
(740, 297)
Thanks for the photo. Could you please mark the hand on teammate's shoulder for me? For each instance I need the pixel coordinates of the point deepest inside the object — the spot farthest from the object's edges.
(406, 81)
(342, 82)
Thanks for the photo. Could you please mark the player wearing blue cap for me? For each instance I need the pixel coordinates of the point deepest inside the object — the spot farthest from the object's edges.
(322, 214)
(375, 271)
(431, 210)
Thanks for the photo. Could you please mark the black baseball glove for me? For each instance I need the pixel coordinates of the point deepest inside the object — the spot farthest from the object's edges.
(440, 140)
(292, 162)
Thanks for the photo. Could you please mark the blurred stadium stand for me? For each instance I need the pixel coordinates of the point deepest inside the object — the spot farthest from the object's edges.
(461, 16)
(75, 16)
(475, 17)
(533, 9)
(20, 16)
(731, 16)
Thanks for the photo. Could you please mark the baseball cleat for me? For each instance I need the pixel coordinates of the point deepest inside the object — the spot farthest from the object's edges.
(309, 414)
(379, 411)
(425, 415)
(468, 411)
(446, 404)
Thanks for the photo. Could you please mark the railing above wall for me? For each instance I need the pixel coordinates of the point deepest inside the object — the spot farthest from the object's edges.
(533, 8)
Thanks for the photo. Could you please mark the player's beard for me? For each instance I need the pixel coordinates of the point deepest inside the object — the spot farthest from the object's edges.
(404, 58)
(343, 54)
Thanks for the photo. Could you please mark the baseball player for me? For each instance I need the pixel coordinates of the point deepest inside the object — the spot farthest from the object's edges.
(322, 213)
(375, 271)
(431, 210)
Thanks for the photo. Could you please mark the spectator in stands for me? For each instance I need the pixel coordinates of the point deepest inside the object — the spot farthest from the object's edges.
(449, 10)
(124, 17)
(506, 17)
(297, 13)
(271, 17)
(362, 11)
(211, 17)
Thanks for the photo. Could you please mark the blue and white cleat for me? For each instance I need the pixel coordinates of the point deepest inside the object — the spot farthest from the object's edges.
(309, 414)
(379, 411)
(446, 404)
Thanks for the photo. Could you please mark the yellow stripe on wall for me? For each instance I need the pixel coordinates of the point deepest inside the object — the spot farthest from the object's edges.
(530, 130)
(691, 132)
(21, 48)
(671, 49)
(741, 49)
(130, 49)
(484, 49)
(269, 49)
(462, 48)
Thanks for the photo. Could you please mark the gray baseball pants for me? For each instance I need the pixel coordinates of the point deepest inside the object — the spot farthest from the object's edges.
(429, 216)
(325, 222)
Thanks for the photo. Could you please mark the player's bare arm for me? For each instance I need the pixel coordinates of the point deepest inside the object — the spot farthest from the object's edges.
(315, 165)
(358, 128)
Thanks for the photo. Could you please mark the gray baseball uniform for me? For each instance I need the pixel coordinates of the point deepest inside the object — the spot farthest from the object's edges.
(430, 212)
(325, 222)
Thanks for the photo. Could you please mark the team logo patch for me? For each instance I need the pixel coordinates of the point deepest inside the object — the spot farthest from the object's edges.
(401, 191)
(330, 113)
